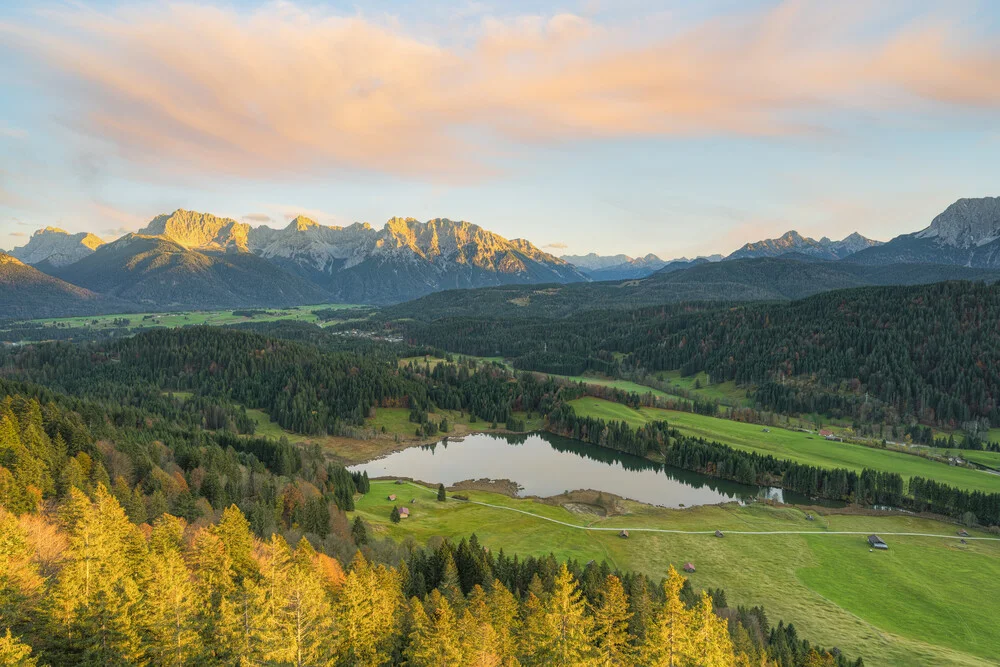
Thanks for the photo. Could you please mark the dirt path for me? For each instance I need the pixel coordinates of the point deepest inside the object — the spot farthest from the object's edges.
(632, 529)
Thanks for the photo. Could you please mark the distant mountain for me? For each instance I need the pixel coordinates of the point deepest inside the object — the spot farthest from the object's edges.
(593, 262)
(793, 242)
(766, 279)
(622, 267)
(56, 247)
(27, 293)
(360, 264)
(967, 233)
(159, 273)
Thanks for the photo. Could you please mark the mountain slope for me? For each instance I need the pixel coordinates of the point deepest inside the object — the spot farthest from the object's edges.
(56, 247)
(768, 279)
(27, 293)
(793, 242)
(967, 233)
(160, 273)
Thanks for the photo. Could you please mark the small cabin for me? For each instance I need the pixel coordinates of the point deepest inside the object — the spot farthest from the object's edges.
(810, 517)
(826, 433)
(718, 533)
(392, 496)
(876, 542)
(963, 532)
(623, 534)
(689, 567)
(404, 512)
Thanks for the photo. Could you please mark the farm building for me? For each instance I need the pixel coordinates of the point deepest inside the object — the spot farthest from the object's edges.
(718, 533)
(404, 512)
(392, 496)
(876, 542)
(826, 433)
(963, 532)
(689, 567)
(623, 533)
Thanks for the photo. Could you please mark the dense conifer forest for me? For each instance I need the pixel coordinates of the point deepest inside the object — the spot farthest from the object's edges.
(897, 355)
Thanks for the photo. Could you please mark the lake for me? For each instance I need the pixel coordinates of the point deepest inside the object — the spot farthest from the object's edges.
(546, 465)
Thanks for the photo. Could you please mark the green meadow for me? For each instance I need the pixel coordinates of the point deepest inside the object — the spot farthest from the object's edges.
(796, 446)
(194, 317)
(919, 603)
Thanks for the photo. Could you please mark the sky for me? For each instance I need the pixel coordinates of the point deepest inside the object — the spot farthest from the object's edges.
(608, 126)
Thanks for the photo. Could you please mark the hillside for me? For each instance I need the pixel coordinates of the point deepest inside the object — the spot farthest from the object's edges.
(157, 272)
(26, 293)
(772, 279)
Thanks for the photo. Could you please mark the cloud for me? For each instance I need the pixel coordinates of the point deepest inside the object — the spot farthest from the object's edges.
(17, 234)
(557, 246)
(13, 132)
(258, 217)
(114, 232)
(284, 91)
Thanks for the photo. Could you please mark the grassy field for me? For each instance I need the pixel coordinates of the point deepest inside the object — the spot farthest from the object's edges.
(434, 361)
(917, 604)
(724, 392)
(195, 317)
(793, 445)
(624, 385)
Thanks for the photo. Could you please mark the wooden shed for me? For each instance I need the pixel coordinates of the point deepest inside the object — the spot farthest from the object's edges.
(876, 542)
(404, 512)
(623, 533)
(392, 496)
(962, 532)
(689, 567)
(718, 533)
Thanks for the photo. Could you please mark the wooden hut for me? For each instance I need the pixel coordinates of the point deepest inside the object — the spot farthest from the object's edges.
(404, 512)
(689, 567)
(718, 533)
(962, 532)
(623, 534)
(876, 542)
(392, 496)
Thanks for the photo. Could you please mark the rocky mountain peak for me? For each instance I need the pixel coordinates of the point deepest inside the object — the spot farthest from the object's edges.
(57, 247)
(302, 224)
(199, 230)
(966, 223)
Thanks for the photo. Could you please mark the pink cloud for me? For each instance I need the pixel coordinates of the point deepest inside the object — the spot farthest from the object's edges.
(284, 91)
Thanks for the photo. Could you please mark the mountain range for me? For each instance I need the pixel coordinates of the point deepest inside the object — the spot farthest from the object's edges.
(622, 267)
(793, 242)
(188, 260)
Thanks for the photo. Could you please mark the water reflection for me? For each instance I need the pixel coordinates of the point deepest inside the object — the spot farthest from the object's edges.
(545, 465)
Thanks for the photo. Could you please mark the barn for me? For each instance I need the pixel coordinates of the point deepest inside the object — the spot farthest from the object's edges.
(876, 542)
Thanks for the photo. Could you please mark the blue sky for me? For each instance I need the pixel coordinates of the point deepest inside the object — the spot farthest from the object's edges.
(679, 128)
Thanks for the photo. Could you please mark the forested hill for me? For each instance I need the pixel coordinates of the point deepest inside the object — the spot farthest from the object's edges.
(770, 279)
(929, 353)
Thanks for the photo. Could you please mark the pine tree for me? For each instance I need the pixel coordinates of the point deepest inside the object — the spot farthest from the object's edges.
(710, 644)
(558, 628)
(365, 613)
(304, 612)
(668, 640)
(480, 641)
(15, 652)
(611, 618)
(359, 533)
(170, 602)
(441, 493)
(505, 618)
(434, 640)
(394, 514)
